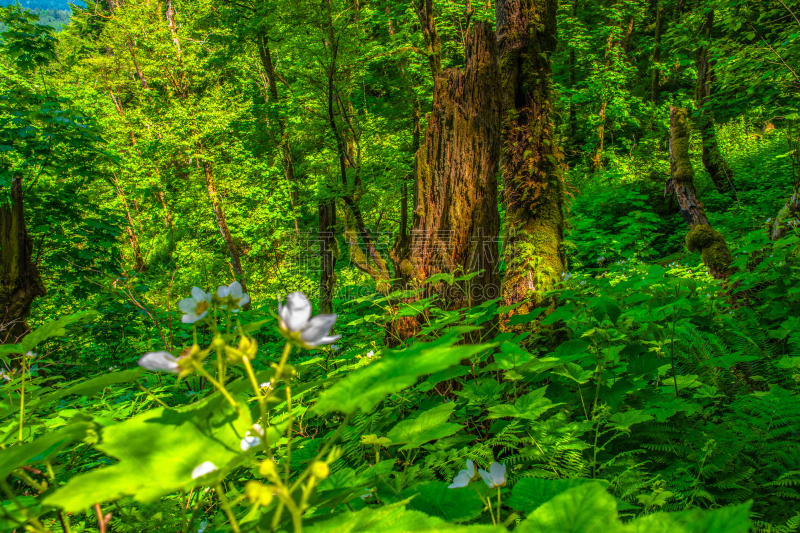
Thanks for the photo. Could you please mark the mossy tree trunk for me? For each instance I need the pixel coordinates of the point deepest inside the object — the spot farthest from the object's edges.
(138, 260)
(222, 224)
(534, 189)
(456, 219)
(789, 215)
(327, 236)
(433, 44)
(714, 163)
(656, 74)
(20, 282)
(701, 237)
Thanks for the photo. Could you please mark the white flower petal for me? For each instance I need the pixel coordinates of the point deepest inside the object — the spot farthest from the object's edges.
(187, 305)
(235, 290)
(296, 312)
(498, 473)
(199, 294)
(249, 441)
(470, 468)
(223, 291)
(160, 362)
(487, 478)
(202, 469)
(317, 328)
(461, 480)
(245, 300)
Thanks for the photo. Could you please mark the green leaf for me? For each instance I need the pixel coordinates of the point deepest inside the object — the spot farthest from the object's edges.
(396, 370)
(157, 453)
(729, 519)
(45, 446)
(529, 493)
(393, 518)
(434, 498)
(562, 313)
(587, 508)
(42, 333)
(530, 317)
(529, 406)
(626, 419)
(603, 307)
(429, 425)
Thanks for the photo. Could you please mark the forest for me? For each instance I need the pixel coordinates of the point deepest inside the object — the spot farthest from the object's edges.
(392, 266)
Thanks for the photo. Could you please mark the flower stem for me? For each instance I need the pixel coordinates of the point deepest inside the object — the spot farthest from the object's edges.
(22, 400)
(218, 385)
(226, 506)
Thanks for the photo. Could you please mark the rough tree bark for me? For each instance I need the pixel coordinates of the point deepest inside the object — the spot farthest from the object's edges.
(138, 260)
(714, 163)
(573, 119)
(327, 235)
(656, 75)
(534, 190)
(222, 223)
(287, 159)
(433, 44)
(701, 237)
(455, 211)
(20, 281)
(789, 215)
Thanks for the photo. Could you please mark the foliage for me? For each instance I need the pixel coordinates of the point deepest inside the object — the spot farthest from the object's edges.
(646, 396)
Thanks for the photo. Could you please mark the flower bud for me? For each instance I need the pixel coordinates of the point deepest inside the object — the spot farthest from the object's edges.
(268, 469)
(217, 343)
(320, 470)
(248, 347)
(253, 490)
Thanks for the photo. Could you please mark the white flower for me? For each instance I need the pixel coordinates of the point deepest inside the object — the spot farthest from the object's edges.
(250, 440)
(4, 375)
(195, 307)
(496, 476)
(202, 469)
(30, 355)
(203, 526)
(234, 291)
(464, 476)
(370, 353)
(160, 362)
(267, 385)
(334, 347)
(296, 322)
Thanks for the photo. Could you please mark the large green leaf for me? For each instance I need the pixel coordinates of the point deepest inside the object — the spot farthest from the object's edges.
(45, 446)
(44, 332)
(587, 508)
(157, 453)
(730, 519)
(393, 518)
(529, 406)
(429, 425)
(367, 386)
(529, 493)
(436, 499)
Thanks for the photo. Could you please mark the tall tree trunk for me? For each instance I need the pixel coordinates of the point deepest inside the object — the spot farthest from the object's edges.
(346, 145)
(222, 223)
(789, 215)
(534, 190)
(20, 281)
(720, 173)
(573, 119)
(138, 260)
(287, 160)
(456, 219)
(139, 73)
(433, 44)
(327, 282)
(173, 26)
(701, 237)
(656, 75)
